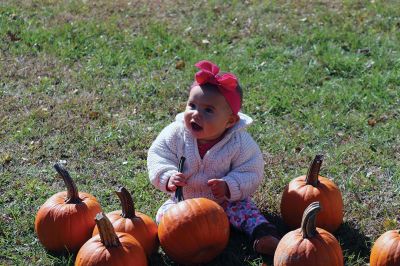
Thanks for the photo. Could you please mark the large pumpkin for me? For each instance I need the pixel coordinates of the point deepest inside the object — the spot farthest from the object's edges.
(386, 250)
(135, 223)
(110, 248)
(194, 231)
(309, 245)
(303, 190)
(66, 220)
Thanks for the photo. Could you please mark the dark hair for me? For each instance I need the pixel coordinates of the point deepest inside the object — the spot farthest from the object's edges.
(240, 91)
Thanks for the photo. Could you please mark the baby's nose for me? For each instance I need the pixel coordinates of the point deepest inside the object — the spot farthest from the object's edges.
(196, 113)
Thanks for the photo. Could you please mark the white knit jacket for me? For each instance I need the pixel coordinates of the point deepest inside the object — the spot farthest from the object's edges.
(236, 158)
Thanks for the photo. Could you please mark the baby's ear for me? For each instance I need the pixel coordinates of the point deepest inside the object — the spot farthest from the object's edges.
(233, 118)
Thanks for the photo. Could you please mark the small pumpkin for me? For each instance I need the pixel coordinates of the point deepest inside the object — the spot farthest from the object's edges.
(309, 245)
(135, 223)
(194, 231)
(303, 190)
(66, 220)
(110, 248)
(386, 250)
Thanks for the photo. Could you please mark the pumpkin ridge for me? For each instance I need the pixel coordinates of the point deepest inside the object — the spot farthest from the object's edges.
(325, 244)
(98, 251)
(203, 237)
(298, 249)
(392, 247)
(382, 253)
(397, 250)
(196, 209)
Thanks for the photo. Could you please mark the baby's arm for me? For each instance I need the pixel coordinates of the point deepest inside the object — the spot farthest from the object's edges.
(162, 157)
(247, 169)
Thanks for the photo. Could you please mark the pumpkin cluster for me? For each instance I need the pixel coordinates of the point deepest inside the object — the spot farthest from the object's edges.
(195, 231)
(72, 221)
(305, 197)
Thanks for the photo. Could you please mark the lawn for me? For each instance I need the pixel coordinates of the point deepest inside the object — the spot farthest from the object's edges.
(92, 83)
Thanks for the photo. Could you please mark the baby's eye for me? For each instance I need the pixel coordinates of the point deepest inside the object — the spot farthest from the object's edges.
(209, 110)
(191, 105)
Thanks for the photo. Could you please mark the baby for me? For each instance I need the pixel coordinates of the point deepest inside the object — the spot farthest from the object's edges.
(223, 162)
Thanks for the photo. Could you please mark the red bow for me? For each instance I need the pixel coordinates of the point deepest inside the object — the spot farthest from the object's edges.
(227, 83)
(209, 74)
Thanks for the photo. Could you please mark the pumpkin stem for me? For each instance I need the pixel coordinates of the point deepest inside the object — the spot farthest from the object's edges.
(106, 230)
(128, 207)
(308, 225)
(179, 190)
(72, 190)
(313, 171)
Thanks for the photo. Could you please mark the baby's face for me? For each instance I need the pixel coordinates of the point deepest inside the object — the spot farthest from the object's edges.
(207, 114)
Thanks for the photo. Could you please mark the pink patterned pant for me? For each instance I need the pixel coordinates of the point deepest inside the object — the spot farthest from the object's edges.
(243, 215)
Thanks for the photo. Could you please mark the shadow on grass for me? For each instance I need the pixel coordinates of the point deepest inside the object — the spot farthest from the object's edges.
(277, 221)
(238, 252)
(62, 259)
(355, 245)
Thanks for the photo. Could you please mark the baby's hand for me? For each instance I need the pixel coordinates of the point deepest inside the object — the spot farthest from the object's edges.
(219, 188)
(175, 180)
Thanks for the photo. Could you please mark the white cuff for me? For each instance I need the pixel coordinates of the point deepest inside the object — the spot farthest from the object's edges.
(234, 189)
(164, 180)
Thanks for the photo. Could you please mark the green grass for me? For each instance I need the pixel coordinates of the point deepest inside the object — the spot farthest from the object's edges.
(93, 83)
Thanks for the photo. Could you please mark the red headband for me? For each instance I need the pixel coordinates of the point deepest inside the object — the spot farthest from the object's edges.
(227, 83)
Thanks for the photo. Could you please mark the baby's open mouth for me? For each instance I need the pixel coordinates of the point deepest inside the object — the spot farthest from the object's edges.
(195, 126)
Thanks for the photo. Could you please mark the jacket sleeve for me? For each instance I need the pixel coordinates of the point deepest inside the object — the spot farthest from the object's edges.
(162, 157)
(247, 169)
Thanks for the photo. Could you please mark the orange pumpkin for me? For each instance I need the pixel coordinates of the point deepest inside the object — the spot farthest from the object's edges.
(303, 190)
(110, 248)
(386, 250)
(66, 220)
(135, 223)
(194, 231)
(309, 245)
